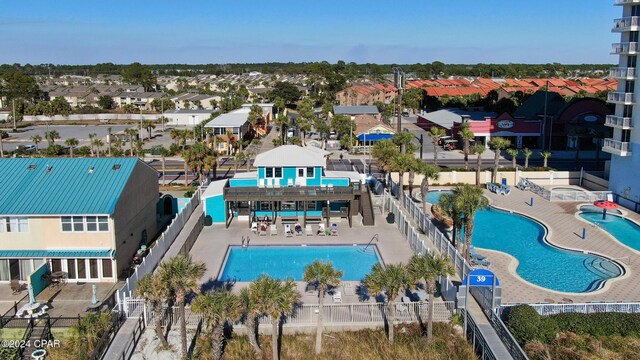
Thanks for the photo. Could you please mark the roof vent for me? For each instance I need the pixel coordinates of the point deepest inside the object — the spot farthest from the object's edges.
(116, 167)
(32, 167)
(49, 168)
(91, 169)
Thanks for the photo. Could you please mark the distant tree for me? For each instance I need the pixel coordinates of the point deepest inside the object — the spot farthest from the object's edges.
(545, 156)
(106, 102)
(137, 73)
(402, 163)
(527, 154)
(412, 98)
(305, 118)
(149, 125)
(51, 136)
(19, 85)
(129, 108)
(282, 123)
(254, 117)
(477, 150)
(36, 140)
(3, 134)
(160, 104)
(286, 91)
(71, 143)
(60, 106)
(497, 144)
(514, 154)
(435, 133)
(131, 135)
(467, 135)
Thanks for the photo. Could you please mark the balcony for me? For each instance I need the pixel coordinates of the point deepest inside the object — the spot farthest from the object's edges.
(616, 147)
(620, 122)
(299, 193)
(627, 73)
(627, 48)
(630, 23)
(625, 2)
(620, 98)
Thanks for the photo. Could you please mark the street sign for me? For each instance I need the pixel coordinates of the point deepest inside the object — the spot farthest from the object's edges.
(480, 277)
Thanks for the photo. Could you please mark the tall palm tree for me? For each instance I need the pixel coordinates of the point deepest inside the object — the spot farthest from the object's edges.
(139, 144)
(250, 311)
(384, 151)
(402, 163)
(428, 268)
(428, 172)
(468, 200)
(109, 140)
(131, 135)
(218, 307)
(435, 133)
(275, 298)
(181, 275)
(51, 136)
(467, 135)
(164, 152)
(36, 140)
(71, 143)
(545, 156)
(412, 174)
(282, 122)
(155, 291)
(97, 144)
(403, 140)
(2, 135)
(527, 154)
(92, 137)
(323, 274)
(497, 144)
(478, 150)
(230, 140)
(149, 125)
(389, 281)
(448, 206)
(514, 154)
(199, 158)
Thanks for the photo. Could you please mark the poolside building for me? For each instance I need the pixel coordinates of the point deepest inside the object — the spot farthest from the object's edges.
(291, 184)
(624, 145)
(83, 216)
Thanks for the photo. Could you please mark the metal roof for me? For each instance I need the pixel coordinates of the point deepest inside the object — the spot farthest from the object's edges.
(290, 155)
(59, 186)
(236, 118)
(356, 110)
(58, 253)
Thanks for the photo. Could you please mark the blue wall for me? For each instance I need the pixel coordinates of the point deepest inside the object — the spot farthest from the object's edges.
(335, 181)
(214, 207)
(243, 182)
(36, 280)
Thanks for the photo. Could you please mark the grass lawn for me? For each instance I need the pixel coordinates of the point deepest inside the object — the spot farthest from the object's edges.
(12, 333)
(568, 345)
(410, 343)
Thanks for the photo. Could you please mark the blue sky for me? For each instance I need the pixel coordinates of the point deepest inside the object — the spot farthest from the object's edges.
(193, 32)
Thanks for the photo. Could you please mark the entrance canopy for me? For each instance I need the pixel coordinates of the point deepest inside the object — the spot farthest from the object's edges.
(374, 137)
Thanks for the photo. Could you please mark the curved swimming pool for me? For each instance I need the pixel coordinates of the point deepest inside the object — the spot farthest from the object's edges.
(433, 196)
(624, 230)
(538, 262)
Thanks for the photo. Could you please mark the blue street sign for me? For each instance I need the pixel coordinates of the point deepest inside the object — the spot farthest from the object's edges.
(480, 277)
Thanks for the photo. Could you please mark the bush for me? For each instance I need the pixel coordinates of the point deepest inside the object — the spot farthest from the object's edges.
(524, 323)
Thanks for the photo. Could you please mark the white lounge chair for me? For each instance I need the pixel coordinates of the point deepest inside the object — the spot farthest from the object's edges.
(308, 230)
(289, 182)
(287, 230)
(274, 229)
(261, 183)
(321, 230)
(276, 183)
(254, 227)
(269, 182)
(337, 297)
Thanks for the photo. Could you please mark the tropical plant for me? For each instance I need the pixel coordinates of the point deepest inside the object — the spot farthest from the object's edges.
(428, 268)
(250, 311)
(163, 152)
(131, 135)
(154, 290)
(71, 143)
(97, 144)
(181, 275)
(388, 280)
(323, 274)
(254, 117)
(468, 200)
(230, 140)
(3, 134)
(92, 137)
(467, 135)
(384, 151)
(404, 140)
(200, 158)
(402, 163)
(497, 144)
(109, 140)
(83, 337)
(527, 154)
(478, 150)
(51, 136)
(217, 307)
(428, 172)
(435, 133)
(282, 123)
(149, 125)
(138, 145)
(449, 208)
(275, 298)
(514, 155)
(306, 117)
(545, 156)
(36, 140)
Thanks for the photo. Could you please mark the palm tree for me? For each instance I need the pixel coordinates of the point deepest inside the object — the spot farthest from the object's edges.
(478, 150)
(384, 151)
(98, 144)
(218, 307)
(497, 143)
(514, 154)
(2, 135)
(527, 154)
(545, 156)
(403, 140)
(230, 140)
(324, 275)
(152, 289)
(282, 122)
(435, 133)
(467, 135)
(389, 281)
(402, 163)
(109, 141)
(92, 137)
(468, 200)
(149, 125)
(274, 298)
(428, 171)
(36, 140)
(131, 135)
(448, 206)
(199, 158)
(181, 275)
(164, 152)
(250, 311)
(428, 268)
(139, 144)
(412, 174)
(71, 142)
(51, 136)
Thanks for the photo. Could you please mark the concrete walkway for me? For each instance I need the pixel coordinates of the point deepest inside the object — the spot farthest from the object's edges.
(124, 343)
(487, 331)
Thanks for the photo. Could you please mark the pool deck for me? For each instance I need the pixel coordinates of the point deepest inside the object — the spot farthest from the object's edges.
(212, 243)
(565, 230)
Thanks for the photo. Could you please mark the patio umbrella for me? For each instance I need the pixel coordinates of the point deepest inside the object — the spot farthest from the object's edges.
(94, 299)
(32, 297)
(605, 205)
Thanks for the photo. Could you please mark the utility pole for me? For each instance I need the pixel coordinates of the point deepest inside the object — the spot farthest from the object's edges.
(13, 102)
(398, 79)
(546, 94)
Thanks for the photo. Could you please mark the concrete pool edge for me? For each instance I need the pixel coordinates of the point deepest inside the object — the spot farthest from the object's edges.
(514, 263)
(623, 215)
(230, 247)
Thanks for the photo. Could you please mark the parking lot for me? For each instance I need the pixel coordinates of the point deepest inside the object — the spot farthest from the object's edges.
(80, 132)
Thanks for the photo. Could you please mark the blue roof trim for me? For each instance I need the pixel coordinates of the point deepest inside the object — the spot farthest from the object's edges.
(71, 186)
(374, 137)
(71, 253)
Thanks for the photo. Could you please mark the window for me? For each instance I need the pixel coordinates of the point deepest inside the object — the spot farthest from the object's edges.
(107, 269)
(97, 223)
(71, 269)
(236, 130)
(268, 172)
(273, 172)
(84, 223)
(310, 172)
(300, 172)
(277, 172)
(17, 224)
(93, 268)
(265, 205)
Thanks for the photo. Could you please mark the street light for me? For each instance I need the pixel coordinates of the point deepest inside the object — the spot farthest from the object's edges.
(398, 81)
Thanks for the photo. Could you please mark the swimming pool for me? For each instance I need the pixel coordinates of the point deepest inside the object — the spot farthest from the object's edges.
(624, 230)
(540, 263)
(247, 264)
(433, 196)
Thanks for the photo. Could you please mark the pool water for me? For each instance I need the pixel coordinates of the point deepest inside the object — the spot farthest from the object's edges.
(247, 264)
(625, 231)
(433, 197)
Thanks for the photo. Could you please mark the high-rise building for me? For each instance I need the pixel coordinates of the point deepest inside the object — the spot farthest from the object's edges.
(624, 146)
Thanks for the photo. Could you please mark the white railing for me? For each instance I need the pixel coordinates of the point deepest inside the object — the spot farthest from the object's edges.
(620, 97)
(625, 2)
(619, 121)
(87, 117)
(622, 73)
(625, 23)
(161, 246)
(616, 145)
(624, 48)
(583, 308)
(577, 195)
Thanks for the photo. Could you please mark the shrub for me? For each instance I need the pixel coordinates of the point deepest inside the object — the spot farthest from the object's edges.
(524, 323)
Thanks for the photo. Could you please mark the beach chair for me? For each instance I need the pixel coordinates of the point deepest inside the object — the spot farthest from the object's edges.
(298, 230)
(269, 183)
(289, 182)
(287, 230)
(276, 183)
(477, 262)
(308, 230)
(274, 229)
(337, 297)
(254, 227)
(475, 255)
(348, 289)
(504, 190)
(334, 230)
(261, 183)
(321, 230)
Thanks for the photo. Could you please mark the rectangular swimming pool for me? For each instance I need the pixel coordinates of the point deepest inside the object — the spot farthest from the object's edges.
(247, 264)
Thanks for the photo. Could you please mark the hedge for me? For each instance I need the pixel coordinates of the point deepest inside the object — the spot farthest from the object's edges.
(526, 324)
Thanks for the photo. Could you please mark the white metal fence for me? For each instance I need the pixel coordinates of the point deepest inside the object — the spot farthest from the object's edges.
(156, 253)
(567, 194)
(584, 308)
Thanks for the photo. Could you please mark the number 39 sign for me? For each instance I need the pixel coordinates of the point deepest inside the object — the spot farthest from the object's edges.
(480, 277)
